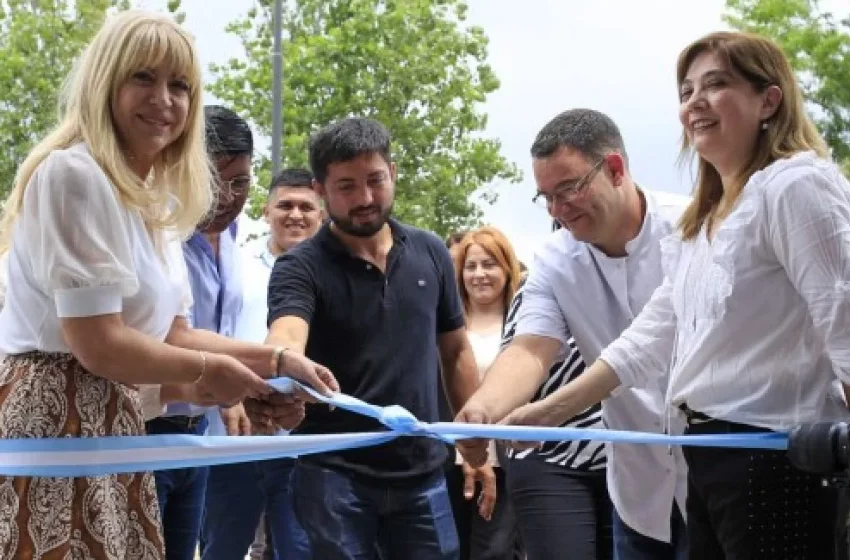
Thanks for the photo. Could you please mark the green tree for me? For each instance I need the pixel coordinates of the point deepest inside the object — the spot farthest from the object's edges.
(39, 41)
(411, 64)
(818, 46)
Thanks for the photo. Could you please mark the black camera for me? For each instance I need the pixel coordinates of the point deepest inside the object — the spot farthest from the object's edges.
(822, 448)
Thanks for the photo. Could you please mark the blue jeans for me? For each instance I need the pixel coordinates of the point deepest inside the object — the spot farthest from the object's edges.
(350, 519)
(631, 545)
(237, 495)
(180, 493)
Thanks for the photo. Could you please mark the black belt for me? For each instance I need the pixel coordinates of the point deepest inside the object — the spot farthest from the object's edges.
(183, 422)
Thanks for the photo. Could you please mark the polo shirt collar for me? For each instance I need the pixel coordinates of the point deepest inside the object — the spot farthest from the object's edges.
(331, 242)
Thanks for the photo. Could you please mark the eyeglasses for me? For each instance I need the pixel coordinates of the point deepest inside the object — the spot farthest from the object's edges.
(238, 184)
(567, 191)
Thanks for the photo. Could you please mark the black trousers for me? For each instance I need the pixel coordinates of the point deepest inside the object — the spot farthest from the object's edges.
(561, 513)
(496, 539)
(746, 504)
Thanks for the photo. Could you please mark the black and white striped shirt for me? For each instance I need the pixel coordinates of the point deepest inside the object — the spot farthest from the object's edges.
(577, 455)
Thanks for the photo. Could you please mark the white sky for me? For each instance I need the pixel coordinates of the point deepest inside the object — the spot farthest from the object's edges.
(616, 56)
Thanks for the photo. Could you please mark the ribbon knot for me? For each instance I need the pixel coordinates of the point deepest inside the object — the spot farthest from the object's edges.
(399, 419)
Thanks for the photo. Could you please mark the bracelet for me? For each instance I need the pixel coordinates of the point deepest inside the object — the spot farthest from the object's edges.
(203, 365)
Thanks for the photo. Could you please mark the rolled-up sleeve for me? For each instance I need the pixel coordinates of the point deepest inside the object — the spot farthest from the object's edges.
(644, 351)
(809, 230)
(80, 245)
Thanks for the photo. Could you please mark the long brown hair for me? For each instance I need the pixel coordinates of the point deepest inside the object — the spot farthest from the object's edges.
(760, 62)
(497, 245)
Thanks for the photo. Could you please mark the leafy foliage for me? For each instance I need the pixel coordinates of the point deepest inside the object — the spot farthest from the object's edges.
(39, 42)
(411, 64)
(818, 46)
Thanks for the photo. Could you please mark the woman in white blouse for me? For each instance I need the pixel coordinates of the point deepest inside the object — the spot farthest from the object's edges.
(752, 321)
(488, 275)
(97, 290)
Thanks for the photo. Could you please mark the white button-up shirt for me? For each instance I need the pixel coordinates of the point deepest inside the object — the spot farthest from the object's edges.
(574, 289)
(756, 322)
(257, 264)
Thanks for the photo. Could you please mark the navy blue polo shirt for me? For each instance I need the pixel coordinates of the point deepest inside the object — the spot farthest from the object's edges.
(377, 333)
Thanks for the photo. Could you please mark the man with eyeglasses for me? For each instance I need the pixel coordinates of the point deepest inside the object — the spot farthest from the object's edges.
(211, 260)
(589, 281)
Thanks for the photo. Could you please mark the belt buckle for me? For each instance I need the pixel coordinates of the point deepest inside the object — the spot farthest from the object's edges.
(184, 422)
(692, 416)
(193, 422)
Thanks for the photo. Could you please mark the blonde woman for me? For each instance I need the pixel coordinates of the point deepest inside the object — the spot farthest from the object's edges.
(488, 275)
(97, 290)
(753, 317)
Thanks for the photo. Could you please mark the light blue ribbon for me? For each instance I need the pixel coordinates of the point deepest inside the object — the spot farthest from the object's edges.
(96, 456)
(402, 422)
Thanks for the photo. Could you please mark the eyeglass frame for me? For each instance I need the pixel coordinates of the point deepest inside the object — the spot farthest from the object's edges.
(569, 191)
(229, 183)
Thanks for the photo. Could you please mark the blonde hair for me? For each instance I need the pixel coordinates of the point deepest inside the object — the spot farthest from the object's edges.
(129, 41)
(497, 245)
(761, 63)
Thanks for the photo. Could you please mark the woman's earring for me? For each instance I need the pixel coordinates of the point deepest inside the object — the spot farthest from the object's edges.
(764, 125)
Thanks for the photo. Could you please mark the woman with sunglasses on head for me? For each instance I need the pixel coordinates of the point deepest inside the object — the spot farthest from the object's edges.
(752, 320)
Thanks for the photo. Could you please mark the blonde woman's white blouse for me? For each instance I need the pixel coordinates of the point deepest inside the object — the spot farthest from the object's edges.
(77, 251)
(755, 323)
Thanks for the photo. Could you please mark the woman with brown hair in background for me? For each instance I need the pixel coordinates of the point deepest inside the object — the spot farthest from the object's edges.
(488, 274)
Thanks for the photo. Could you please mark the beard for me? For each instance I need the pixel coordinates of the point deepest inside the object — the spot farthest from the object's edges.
(348, 225)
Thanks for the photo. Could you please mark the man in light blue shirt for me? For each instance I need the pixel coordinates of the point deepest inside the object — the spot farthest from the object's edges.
(211, 260)
(239, 494)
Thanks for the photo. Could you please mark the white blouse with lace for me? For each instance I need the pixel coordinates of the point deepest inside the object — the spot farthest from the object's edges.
(755, 323)
(77, 251)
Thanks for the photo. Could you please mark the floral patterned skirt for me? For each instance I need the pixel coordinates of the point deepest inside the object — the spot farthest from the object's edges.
(114, 516)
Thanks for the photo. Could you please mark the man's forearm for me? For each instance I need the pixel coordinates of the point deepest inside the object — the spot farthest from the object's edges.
(289, 334)
(510, 382)
(460, 378)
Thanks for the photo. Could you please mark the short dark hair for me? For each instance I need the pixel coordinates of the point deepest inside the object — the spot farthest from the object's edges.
(292, 177)
(227, 133)
(454, 238)
(346, 139)
(590, 132)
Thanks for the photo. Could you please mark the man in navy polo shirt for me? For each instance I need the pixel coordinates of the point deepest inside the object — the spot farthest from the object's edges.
(376, 302)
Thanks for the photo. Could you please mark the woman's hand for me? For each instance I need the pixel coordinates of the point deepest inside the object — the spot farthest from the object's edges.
(227, 382)
(486, 476)
(539, 413)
